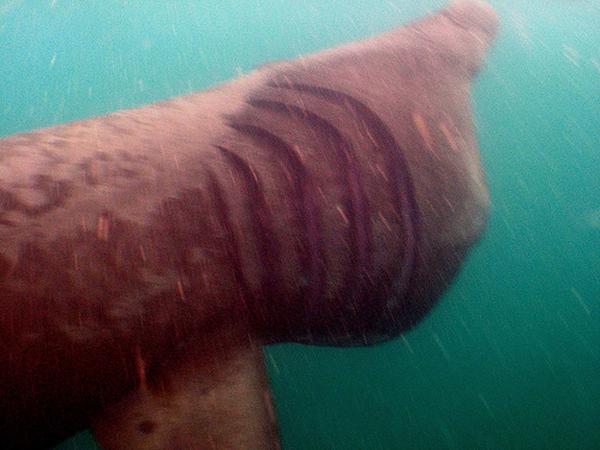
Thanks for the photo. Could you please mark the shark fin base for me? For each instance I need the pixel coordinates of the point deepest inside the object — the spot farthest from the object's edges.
(215, 395)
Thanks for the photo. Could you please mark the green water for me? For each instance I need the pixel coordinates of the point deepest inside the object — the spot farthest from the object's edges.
(510, 359)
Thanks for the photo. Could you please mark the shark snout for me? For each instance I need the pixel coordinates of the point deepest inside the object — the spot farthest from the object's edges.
(475, 16)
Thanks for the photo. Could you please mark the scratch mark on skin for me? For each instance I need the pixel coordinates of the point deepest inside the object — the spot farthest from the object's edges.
(343, 215)
(140, 366)
(449, 137)
(102, 227)
(180, 290)
(422, 128)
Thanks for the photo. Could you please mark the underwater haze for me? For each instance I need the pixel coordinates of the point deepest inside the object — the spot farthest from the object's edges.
(510, 357)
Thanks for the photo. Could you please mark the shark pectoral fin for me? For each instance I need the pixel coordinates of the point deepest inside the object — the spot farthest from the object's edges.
(216, 396)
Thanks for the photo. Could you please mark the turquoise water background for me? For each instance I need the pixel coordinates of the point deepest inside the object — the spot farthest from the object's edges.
(510, 358)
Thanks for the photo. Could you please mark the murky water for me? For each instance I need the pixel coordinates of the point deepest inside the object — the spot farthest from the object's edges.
(511, 356)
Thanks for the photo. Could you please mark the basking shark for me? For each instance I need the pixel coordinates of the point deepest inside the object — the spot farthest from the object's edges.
(146, 256)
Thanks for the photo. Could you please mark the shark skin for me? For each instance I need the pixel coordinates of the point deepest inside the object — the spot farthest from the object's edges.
(146, 256)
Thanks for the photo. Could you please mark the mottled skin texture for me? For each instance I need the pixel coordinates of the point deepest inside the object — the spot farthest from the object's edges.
(149, 253)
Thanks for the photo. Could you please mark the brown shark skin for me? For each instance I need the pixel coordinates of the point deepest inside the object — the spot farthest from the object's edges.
(326, 200)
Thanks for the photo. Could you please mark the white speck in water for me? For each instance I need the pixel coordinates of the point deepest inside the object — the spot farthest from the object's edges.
(571, 54)
(592, 218)
(53, 60)
(273, 363)
(437, 340)
(486, 404)
(580, 300)
(408, 346)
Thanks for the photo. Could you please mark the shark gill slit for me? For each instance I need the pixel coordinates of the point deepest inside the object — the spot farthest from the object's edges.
(231, 242)
(355, 203)
(402, 185)
(261, 223)
(302, 192)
